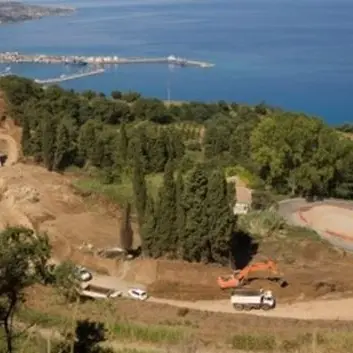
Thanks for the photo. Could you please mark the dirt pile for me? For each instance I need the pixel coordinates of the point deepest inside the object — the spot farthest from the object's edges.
(184, 281)
(33, 197)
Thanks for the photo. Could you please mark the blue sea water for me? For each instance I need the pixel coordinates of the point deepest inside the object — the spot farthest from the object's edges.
(297, 54)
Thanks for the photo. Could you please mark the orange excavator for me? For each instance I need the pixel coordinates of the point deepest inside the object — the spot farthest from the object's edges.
(239, 278)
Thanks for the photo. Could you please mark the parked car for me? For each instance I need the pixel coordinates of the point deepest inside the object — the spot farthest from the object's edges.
(138, 294)
(83, 274)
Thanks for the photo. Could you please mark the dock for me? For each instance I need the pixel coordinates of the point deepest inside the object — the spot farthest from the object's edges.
(63, 78)
(16, 57)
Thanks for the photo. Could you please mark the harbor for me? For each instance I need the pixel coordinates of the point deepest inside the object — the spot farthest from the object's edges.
(16, 57)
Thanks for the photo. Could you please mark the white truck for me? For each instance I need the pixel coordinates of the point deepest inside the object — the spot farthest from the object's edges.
(95, 292)
(248, 299)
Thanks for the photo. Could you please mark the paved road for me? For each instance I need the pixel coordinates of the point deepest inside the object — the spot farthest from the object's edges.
(290, 210)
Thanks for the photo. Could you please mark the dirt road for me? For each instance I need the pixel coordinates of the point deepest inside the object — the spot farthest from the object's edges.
(330, 218)
(339, 309)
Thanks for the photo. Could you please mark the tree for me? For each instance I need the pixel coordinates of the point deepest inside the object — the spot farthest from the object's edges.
(116, 95)
(26, 138)
(66, 281)
(180, 215)
(221, 219)
(48, 136)
(148, 229)
(231, 192)
(124, 142)
(86, 339)
(126, 232)
(140, 189)
(62, 157)
(196, 245)
(23, 259)
(165, 230)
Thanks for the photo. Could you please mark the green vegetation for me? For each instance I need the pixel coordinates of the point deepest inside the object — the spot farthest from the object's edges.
(23, 257)
(117, 330)
(123, 144)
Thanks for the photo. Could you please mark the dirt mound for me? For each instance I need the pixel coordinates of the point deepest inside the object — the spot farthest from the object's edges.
(184, 281)
(33, 197)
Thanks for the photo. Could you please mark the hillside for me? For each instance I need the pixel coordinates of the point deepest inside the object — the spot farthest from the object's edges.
(74, 160)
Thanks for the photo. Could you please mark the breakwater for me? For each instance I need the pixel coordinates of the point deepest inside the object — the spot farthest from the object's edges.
(16, 57)
(63, 78)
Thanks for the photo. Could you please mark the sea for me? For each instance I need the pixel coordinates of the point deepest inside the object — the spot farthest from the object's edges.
(294, 54)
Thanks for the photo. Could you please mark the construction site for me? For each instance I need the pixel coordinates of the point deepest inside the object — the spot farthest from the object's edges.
(311, 280)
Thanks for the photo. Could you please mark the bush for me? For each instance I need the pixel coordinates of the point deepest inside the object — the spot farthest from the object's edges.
(193, 146)
(262, 200)
(262, 223)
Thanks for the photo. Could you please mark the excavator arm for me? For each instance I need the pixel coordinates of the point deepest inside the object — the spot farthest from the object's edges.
(237, 279)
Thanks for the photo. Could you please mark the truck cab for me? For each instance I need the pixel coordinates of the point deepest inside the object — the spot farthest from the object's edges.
(268, 301)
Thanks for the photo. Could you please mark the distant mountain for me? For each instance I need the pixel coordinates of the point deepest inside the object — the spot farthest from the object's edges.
(13, 11)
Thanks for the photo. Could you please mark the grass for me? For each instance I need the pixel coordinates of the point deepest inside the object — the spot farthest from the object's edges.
(119, 330)
(150, 333)
(25, 343)
(147, 337)
(311, 342)
(302, 233)
(120, 192)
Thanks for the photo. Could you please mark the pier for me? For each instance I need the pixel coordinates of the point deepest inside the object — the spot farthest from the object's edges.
(63, 78)
(16, 57)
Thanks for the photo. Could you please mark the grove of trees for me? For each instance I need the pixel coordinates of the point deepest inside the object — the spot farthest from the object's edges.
(194, 144)
(191, 219)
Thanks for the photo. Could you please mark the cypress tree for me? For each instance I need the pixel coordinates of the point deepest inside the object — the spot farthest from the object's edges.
(220, 217)
(62, 150)
(124, 142)
(148, 229)
(86, 138)
(126, 232)
(231, 192)
(180, 216)
(26, 138)
(140, 189)
(167, 239)
(196, 245)
(49, 134)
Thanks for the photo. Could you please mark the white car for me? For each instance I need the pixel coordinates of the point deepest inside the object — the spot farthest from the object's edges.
(83, 274)
(138, 294)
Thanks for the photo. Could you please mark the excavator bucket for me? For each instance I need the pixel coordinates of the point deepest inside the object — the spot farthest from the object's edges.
(226, 282)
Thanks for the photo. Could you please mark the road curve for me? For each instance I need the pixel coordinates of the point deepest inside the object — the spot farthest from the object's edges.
(293, 210)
